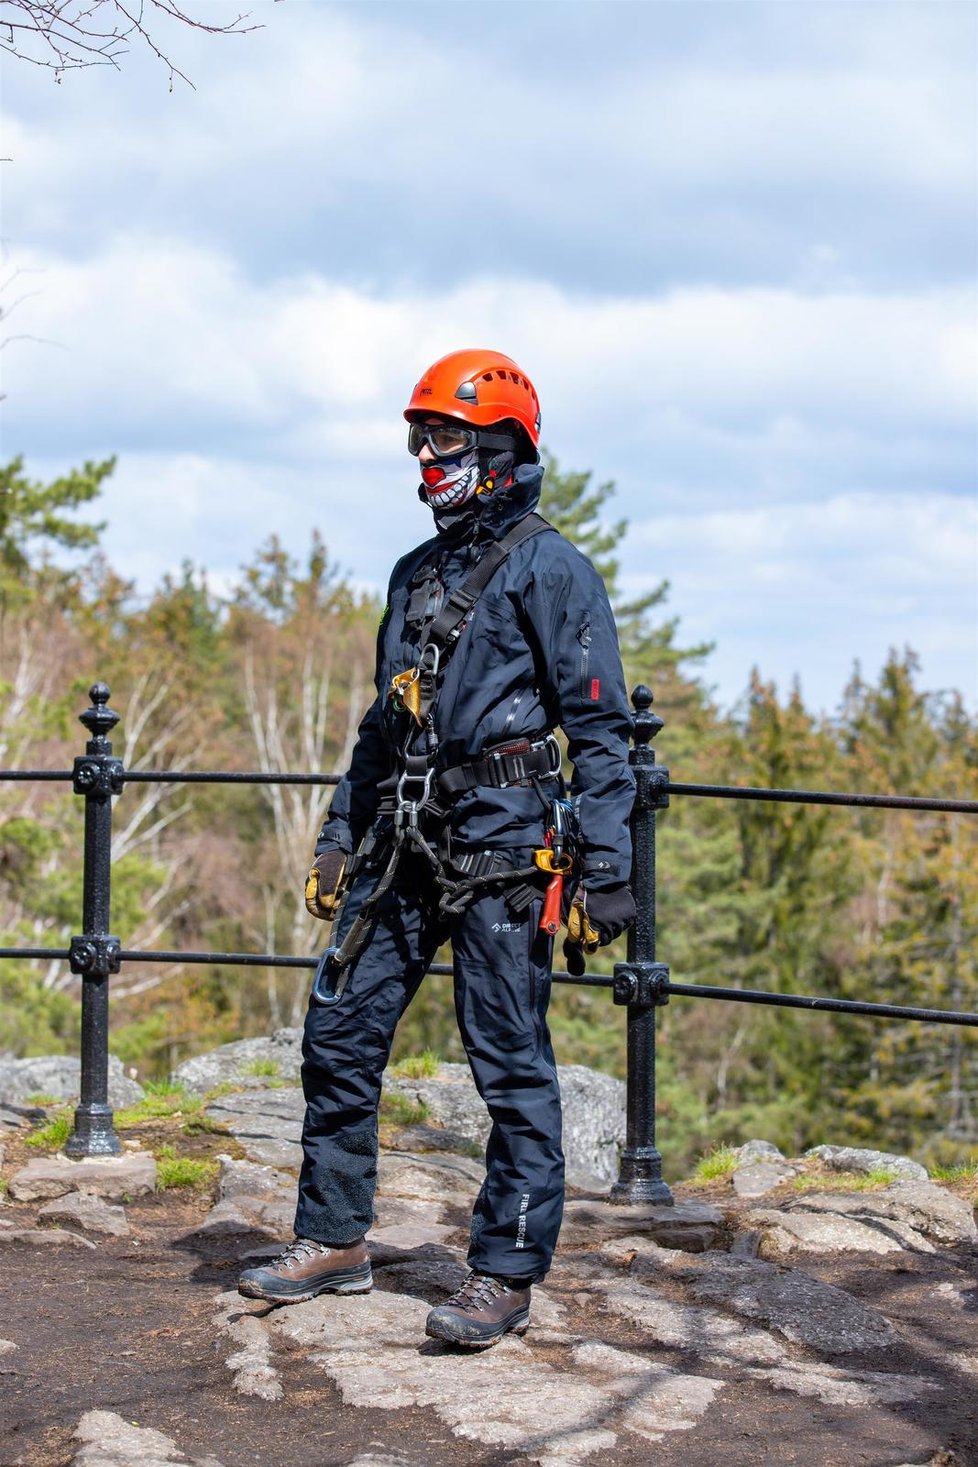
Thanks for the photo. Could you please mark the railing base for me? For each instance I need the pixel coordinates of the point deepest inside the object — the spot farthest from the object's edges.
(94, 1133)
(640, 1178)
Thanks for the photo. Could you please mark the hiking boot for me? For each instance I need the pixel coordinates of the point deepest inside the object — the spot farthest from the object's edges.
(306, 1269)
(480, 1313)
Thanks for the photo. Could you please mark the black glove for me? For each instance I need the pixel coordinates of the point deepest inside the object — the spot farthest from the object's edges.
(323, 883)
(611, 911)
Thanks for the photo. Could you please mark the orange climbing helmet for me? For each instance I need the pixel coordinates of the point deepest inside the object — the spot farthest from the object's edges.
(479, 387)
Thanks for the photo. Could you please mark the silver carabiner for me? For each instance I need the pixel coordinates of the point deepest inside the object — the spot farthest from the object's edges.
(322, 993)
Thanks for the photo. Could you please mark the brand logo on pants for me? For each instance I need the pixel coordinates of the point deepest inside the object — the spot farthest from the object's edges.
(507, 927)
(521, 1221)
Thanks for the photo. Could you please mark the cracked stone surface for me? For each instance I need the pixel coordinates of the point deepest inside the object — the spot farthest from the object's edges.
(86, 1211)
(925, 1207)
(59, 1075)
(915, 1215)
(688, 1222)
(810, 1232)
(251, 1363)
(753, 1151)
(834, 1387)
(113, 1177)
(235, 1063)
(660, 1400)
(708, 1333)
(109, 1441)
(800, 1308)
(861, 1159)
(266, 1122)
(45, 1238)
(759, 1177)
(447, 1179)
(593, 1110)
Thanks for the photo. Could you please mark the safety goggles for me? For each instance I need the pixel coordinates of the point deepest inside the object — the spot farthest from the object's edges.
(446, 440)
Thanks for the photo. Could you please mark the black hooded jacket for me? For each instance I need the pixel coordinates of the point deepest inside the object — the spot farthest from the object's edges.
(540, 650)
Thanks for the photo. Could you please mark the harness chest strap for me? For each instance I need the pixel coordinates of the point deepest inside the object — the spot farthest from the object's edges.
(417, 687)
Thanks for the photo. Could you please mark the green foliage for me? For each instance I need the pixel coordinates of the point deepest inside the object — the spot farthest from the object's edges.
(269, 1068)
(33, 516)
(417, 1066)
(395, 1110)
(156, 1106)
(184, 1171)
(54, 1133)
(845, 1181)
(718, 1163)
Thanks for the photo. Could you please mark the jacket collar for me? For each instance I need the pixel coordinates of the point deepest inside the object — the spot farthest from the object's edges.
(508, 506)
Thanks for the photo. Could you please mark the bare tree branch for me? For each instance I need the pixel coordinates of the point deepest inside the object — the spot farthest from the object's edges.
(64, 35)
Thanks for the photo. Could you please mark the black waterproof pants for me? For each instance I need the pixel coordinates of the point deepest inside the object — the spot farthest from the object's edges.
(502, 988)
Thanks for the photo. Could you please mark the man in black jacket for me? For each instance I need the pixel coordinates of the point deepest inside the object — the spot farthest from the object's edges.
(453, 787)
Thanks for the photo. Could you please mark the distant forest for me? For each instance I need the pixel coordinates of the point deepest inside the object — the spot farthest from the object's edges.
(864, 904)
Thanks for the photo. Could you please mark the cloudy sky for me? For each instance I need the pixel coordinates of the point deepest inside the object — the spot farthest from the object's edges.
(734, 245)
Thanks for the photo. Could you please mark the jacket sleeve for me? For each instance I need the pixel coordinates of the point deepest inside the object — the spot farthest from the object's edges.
(354, 804)
(583, 684)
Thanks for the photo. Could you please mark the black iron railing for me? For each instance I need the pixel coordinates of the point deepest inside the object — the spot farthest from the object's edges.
(640, 984)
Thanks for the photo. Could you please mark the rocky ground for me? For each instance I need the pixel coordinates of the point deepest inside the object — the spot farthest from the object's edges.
(784, 1313)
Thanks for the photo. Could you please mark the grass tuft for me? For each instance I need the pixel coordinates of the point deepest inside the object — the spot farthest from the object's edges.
(40, 1097)
(395, 1110)
(417, 1066)
(718, 1163)
(157, 1106)
(962, 1172)
(845, 1181)
(268, 1067)
(226, 1087)
(183, 1171)
(53, 1135)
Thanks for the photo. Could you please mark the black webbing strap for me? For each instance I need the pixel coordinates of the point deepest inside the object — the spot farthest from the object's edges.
(501, 768)
(447, 626)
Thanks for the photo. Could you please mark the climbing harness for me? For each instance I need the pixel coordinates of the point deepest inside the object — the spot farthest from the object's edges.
(419, 784)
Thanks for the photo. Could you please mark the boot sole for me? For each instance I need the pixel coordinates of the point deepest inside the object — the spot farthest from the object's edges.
(520, 1328)
(339, 1284)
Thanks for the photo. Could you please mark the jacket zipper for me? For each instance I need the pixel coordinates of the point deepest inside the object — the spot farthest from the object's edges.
(584, 637)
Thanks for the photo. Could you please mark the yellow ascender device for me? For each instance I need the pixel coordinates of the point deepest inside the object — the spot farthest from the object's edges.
(580, 930)
(554, 865)
(405, 689)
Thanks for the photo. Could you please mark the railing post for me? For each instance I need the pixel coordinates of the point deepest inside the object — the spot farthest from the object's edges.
(641, 983)
(95, 954)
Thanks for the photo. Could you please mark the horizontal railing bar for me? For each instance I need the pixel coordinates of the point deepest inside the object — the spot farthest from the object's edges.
(221, 776)
(231, 960)
(25, 774)
(34, 952)
(832, 1005)
(709, 791)
(585, 980)
(824, 797)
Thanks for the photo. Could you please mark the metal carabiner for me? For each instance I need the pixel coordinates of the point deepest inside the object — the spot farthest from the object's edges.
(408, 810)
(322, 994)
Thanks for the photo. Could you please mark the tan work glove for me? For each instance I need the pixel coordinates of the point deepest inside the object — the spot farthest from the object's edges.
(324, 883)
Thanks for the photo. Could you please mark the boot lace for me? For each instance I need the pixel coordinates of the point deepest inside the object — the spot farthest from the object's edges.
(298, 1251)
(478, 1292)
